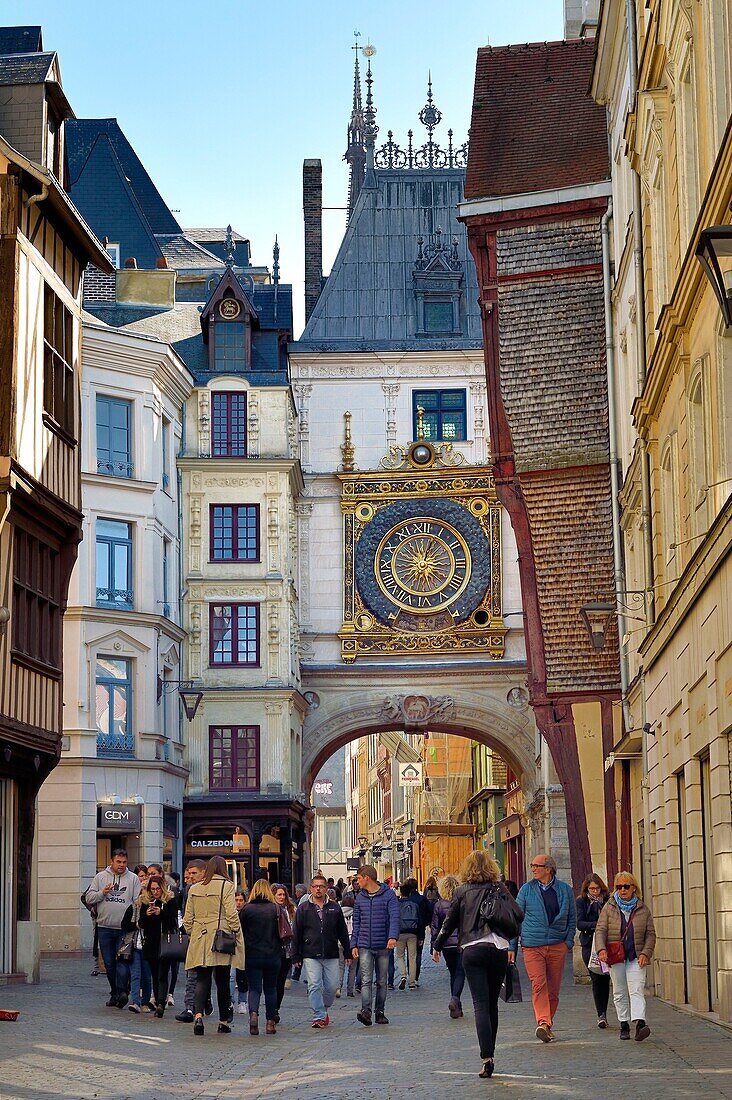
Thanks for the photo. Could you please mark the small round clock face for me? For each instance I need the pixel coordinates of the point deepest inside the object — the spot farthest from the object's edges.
(422, 565)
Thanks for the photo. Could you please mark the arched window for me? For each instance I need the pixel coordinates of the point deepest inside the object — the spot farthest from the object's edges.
(698, 455)
(669, 510)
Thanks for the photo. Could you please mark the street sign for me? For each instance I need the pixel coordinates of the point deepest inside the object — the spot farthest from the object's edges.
(353, 864)
(410, 775)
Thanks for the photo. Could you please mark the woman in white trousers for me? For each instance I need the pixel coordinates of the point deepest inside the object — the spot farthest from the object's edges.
(625, 939)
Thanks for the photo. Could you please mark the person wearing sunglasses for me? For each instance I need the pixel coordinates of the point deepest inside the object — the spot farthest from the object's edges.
(625, 939)
(547, 937)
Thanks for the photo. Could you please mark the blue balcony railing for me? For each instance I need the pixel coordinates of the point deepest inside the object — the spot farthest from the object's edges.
(116, 469)
(116, 746)
(115, 597)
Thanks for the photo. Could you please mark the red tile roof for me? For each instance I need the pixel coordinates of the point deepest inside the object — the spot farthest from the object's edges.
(535, 126)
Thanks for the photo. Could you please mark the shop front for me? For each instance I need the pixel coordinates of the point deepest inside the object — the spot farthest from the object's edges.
(118, 827)
(255, 845)
(511, 832)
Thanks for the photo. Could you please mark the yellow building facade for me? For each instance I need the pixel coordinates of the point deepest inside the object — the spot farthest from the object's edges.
(665, 76)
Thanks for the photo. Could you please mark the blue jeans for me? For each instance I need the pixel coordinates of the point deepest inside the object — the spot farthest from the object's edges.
(263, 974)
(322, 978)
(373, 960)
(140, 978)
(118, 971)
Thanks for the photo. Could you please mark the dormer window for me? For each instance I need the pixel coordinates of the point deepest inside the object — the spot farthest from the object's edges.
(227, 321)
(438, 287)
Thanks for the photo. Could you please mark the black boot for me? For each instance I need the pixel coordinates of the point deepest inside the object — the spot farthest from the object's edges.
(642, 1031)
(625, 1031)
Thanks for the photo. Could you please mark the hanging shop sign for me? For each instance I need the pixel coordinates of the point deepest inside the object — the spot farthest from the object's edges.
(410, 775)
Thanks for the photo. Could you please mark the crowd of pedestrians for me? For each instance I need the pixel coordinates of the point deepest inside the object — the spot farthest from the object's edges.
(250, 947)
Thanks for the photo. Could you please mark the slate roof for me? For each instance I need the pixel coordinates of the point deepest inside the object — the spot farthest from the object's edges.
(534, 125)
(207, 235)
(215, 241)
(21, 40)
(183, 253)
(368, 301)
(83, 134)
(25, 68)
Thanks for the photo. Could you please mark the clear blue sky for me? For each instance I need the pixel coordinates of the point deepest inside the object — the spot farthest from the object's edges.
(224, 100)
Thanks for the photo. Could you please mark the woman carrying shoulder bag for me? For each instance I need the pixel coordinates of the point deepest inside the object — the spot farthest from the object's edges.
(624, 940)
(158, 917)
(592, 897)
(484, 951)
(211, 916)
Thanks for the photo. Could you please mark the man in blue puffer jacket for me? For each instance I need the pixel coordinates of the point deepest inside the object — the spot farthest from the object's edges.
(374, 936)
(547, 935)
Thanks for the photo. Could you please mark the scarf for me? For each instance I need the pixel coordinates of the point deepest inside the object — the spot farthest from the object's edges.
(626, 907)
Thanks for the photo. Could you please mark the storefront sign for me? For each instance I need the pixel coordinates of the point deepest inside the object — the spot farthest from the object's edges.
(323, 787)
(119, 819)
(353, 864)
(510, 828)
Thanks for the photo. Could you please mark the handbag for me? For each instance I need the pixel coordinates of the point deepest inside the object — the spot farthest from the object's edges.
(500, 912)
(174, 946)
(510, 991)
(224, 942)
(595, 965)
(283, 926)
(124, 951)
(616, 949)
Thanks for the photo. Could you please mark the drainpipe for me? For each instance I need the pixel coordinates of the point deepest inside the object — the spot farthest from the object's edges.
(612, 422)
(649, 602)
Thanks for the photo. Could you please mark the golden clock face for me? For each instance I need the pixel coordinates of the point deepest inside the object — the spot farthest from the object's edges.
(229, 308)
(422, 565)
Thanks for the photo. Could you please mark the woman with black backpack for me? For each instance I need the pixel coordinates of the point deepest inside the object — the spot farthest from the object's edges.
(486, 916)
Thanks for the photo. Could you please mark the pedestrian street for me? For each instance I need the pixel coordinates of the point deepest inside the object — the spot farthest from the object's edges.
(67, 1046)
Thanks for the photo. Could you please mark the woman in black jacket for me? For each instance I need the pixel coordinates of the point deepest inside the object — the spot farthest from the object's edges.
(159, 911)
(592, 897)
(484, 952)
(263, 952)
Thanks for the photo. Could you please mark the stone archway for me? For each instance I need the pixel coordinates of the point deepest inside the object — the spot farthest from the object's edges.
(345, 714)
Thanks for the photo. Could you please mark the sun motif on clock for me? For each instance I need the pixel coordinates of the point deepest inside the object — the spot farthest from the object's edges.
(422, 565)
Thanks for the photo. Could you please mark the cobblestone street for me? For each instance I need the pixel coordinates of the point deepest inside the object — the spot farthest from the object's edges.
(66, 1044)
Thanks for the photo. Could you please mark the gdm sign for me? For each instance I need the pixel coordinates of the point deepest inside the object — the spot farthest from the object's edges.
(119, 819)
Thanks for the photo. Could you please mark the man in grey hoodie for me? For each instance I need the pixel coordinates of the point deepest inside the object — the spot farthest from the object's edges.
(112, 891)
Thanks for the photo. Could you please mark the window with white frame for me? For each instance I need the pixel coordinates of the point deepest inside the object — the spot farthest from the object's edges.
(688, 153)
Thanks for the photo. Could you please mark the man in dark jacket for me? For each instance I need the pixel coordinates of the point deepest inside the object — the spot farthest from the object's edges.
(318, 929)
(374, 936)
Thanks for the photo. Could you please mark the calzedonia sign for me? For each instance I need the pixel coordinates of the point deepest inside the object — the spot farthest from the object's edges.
(206, 843)
(119, 819)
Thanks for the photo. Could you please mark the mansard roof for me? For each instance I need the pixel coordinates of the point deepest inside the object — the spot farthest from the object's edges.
(368, 301)
(82, 137)
(535, 126)
(21, 40)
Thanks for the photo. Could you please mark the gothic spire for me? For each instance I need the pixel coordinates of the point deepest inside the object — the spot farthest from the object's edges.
(355, 155)
(229, 247)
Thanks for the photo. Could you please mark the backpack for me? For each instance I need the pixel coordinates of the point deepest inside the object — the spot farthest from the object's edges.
(499, 913)
(409, 914)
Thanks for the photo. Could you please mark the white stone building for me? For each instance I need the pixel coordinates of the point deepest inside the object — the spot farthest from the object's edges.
(121, 777)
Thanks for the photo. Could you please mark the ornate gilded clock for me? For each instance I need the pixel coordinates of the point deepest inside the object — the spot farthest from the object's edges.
(422, 557)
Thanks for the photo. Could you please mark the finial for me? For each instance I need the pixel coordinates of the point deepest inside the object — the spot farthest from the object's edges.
(348, 451)
(370, 128)
(229, 247)
(276, 262)
(420, 423)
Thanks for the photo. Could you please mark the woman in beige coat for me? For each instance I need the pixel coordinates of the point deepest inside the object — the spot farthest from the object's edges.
(211, 906)
(626, 919)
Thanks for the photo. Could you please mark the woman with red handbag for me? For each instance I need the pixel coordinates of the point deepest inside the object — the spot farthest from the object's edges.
(625, 939)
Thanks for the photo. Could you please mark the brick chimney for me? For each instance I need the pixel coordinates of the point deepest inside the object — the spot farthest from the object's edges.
(312, 203)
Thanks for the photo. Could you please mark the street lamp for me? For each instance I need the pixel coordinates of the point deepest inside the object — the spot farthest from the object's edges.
(597, 618)
(190, 692)
(388, 833)
(716, 242)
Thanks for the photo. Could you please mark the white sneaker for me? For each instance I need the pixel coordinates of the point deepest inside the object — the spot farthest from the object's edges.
(338, 992)
(169, 1000)
(241, 1009)
(134, 1008)
(146, 1008)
